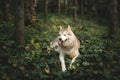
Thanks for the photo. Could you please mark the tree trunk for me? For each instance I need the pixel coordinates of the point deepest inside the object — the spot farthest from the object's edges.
(113, 17)
(45, 10)
(75, 12)
(32, 5)
(59, 7)
(27, 14)
(66, 6)
(19, 22)
(30, 11)
(82, 10)
(5, 10)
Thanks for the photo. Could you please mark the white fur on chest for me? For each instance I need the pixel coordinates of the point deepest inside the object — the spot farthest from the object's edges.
(68, 50)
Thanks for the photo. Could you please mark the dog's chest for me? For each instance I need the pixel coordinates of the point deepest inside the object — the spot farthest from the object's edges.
(67, 50)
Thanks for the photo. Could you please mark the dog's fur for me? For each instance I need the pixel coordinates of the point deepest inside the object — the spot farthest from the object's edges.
(66, 43)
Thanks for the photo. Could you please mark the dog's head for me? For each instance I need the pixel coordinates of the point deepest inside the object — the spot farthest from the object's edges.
(65, 36)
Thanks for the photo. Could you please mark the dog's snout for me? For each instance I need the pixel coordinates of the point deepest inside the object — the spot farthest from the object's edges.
(60, 39)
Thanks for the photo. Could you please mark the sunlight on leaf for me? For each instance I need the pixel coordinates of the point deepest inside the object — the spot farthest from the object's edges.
(27, 47)
(32, 40)
(14, 65)
(95, 72)
(26, 75)
(37, 45)
(101, 64)
(22, 68)
(73, 67)
(85, 63)
(47, 70)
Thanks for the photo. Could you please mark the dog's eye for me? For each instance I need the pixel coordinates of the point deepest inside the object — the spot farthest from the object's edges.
(69, 34)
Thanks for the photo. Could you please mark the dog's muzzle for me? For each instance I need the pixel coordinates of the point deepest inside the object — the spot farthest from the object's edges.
(62, 42)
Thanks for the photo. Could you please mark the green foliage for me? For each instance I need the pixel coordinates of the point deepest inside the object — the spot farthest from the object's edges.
(37, 61)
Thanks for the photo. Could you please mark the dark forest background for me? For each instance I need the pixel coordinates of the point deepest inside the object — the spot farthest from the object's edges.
(28, 26)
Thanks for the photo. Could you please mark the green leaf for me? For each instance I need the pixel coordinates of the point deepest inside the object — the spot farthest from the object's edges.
(85, 63)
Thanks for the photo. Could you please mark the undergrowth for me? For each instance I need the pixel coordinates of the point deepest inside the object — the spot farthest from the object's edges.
(37, 61)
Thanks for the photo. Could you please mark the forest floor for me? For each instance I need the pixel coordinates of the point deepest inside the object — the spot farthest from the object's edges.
(38, 61)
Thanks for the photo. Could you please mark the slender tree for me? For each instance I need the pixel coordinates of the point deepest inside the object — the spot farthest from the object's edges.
(75, 12)
(113, 17)
(30, 11)
(59, 7)
(66, 5)
(27, 14)
(19, 21)
(81, 9)
(45, 10)
(5, 10)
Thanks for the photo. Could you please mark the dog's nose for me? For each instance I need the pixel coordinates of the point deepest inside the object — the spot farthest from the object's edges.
(60, 39)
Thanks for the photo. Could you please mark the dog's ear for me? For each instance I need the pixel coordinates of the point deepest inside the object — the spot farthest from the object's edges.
(60, 27)
(69, 28)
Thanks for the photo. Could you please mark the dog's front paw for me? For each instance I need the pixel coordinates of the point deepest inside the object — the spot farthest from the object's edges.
(63, 69)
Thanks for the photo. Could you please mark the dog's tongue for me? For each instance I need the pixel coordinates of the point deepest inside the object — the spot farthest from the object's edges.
(62, 43)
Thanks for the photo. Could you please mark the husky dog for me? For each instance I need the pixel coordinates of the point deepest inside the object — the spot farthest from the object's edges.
(66, 44)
